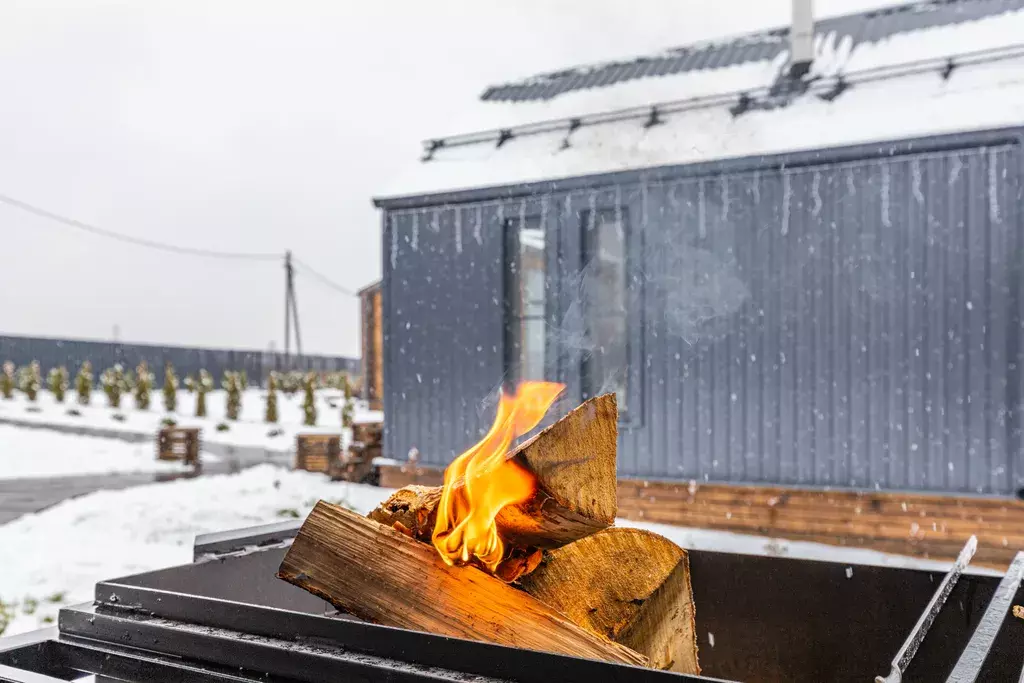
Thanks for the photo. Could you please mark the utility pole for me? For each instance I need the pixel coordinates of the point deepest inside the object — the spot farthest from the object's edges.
(291, 312)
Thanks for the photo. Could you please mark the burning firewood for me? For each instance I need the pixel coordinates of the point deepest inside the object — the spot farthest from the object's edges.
(628, 585)
(441, 558)
(573, 462)
(377, 573)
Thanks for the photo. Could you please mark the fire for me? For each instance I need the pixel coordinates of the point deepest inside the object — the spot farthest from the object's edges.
(465, 527)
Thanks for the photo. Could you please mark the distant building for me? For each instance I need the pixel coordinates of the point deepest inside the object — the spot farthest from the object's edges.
(810, 280)
(371, 307)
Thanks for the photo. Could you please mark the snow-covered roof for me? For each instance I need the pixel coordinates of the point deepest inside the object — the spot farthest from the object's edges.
(925, 68)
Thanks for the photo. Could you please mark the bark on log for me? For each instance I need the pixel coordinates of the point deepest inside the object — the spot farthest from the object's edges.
(379, 574)
(574, 463)
(627, 585)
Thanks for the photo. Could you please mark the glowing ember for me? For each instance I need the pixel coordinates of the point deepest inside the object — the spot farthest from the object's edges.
(480, 482)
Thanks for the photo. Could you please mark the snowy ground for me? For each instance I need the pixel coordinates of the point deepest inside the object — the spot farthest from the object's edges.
(55, 557)
(41, 453)
(249, 430)
(63, 551)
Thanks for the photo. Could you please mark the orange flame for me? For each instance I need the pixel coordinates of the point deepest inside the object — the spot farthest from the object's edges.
(465, 525)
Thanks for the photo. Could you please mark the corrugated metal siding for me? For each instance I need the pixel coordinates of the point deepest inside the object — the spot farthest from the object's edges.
(72, 353)
(851, 324)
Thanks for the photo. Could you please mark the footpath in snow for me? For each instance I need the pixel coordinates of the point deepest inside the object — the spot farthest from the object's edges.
(55, 557)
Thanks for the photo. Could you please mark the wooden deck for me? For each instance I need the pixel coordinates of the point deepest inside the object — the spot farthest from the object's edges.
(933, 526)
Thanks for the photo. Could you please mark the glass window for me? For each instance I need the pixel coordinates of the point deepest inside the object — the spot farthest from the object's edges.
(605, 356)
(524, 329)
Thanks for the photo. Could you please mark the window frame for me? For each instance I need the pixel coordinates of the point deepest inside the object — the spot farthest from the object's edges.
(628, 205)
(511, 226)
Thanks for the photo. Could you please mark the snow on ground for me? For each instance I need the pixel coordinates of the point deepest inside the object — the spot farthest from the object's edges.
(41, 453)
(249, 430)
(55, 557)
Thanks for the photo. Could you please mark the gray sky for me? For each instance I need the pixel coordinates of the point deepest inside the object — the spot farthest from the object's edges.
(248, 126)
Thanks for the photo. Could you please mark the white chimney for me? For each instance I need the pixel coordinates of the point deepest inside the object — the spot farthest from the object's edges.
(801, 38)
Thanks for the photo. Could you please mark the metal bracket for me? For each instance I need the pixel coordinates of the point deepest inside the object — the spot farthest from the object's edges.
(906, 653)
(968, 667)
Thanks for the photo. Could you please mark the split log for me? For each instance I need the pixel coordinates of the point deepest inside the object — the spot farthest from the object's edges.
(378, 574)
(628, 585)
(573, 461)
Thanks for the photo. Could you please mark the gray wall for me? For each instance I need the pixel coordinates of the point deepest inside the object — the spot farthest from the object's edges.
(187, 360)
(825, 323)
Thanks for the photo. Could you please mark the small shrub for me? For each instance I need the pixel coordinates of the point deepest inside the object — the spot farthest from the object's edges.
(143, 385)
(309, 402)
(6, 616)
(271, 414)
(83, 383)
(59, 596)
(74, 412)
(200, 387)
(275, 432)
(58, 381)
(169, 422)
(29, 606)
(291, 382)
(170, 389)
(118, 417)
(223, 427)
(114, 384)
(243, 379)
(7, 381)
(232, 384)
(347, 410)
(48, 619)
(288, 512)
(30, 380)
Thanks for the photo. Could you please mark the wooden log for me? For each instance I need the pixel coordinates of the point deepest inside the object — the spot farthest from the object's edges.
(378, 574)
(573, 461)
(628, 585)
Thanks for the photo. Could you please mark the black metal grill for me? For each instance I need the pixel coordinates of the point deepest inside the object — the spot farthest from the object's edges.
(225, 617)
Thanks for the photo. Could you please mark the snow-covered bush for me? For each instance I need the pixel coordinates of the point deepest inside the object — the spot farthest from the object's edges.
(200, 387)
(83, 383)
(309, 402)
(143, 385)
(291, 382)
(7, 380)
(30, 381)
(348, 409)
(114, 384)
(57, 379)
(271, 415)
(232, 384)
(170, 389)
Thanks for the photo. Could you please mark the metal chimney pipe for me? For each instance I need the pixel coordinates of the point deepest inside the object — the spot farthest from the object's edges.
(801, 38)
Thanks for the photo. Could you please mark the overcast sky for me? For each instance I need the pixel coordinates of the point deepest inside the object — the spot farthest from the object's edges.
(257, 127)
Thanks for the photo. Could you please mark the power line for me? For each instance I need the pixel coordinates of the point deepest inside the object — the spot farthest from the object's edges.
(322, 278)
(138, 241)
(173, 248)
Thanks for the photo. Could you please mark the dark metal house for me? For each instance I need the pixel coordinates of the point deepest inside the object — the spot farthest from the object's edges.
(792, 278)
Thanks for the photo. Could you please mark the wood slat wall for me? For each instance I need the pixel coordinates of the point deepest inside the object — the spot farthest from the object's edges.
(933, 526)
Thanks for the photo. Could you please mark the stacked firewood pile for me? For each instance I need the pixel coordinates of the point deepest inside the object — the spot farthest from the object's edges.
(517, 548)
(356, 463)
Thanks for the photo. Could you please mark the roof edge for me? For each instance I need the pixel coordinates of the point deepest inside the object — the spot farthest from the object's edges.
(793, 159)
